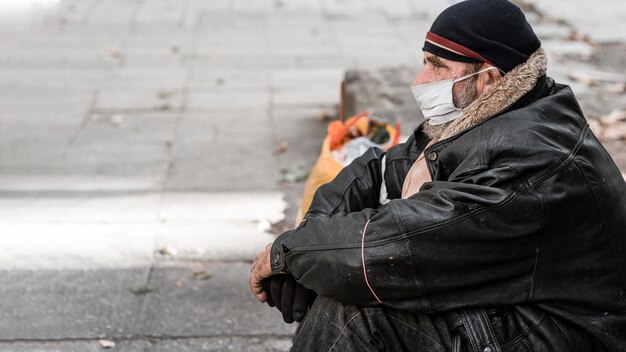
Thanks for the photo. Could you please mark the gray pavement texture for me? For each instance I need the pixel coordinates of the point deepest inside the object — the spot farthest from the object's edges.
(139, 163)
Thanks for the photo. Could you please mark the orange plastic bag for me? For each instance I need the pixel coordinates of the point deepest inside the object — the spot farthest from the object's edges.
(339, 133)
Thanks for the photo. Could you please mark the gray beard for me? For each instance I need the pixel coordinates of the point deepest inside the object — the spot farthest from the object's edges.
(435, 131)
(465, 97)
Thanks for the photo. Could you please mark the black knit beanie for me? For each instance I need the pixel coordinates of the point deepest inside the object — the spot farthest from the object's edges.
(491, 31)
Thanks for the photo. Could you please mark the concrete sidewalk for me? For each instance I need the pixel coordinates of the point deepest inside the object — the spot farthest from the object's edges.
(139, 169)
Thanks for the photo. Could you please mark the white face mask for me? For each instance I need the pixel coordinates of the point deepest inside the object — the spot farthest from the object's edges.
(436, 100)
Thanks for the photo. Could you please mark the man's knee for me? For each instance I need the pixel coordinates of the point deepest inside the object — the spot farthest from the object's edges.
(332, 325)
(329, 324)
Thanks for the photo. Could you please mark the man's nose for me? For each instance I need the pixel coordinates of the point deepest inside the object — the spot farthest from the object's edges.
(423, 76)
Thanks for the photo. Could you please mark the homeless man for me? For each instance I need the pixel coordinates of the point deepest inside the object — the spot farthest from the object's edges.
(500, 225)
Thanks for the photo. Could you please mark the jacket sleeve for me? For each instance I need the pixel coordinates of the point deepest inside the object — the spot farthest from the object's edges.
(355, 188)
(453, 244)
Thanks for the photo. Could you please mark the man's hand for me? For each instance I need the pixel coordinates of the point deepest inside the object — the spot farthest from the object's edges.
(290, 298)
(260, 270)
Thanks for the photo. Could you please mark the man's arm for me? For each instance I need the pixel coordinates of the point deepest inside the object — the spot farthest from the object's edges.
(452, 244)
(355, 188)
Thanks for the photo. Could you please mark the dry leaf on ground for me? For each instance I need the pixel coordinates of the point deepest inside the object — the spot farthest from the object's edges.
(201, 275)
(106, 344)
(167, 250)
(281, 148)
(141, 290)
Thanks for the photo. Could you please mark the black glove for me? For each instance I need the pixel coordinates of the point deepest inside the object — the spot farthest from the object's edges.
(289, 297)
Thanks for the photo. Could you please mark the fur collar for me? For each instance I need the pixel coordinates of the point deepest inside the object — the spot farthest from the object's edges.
(514, 85)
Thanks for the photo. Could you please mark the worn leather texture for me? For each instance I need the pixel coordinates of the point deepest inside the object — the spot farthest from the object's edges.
(526, 209)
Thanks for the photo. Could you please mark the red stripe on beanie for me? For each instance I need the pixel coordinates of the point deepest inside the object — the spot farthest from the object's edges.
(455, 47)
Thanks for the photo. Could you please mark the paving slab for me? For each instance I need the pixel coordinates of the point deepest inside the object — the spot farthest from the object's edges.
(239, 344)
(50, 304)
(306, 79)
(119, 13)
(307, 38)
(156, 47)
(51, 99)
(88, 245)
(159, 12)
(290, 120)
(145, 78)
(72, 232)
(251, 6)
(602, 20)
(75, 346)
(22, 16)
(230, 30)
(77, 207)
(310, 23)
(243, 207)
(69, 47)
(49, 57)
(409, 32)
(123, 145)
(218, 306)
(234, 28)
(570, 49)
(225, 48)
(120, 99)
(224, 151)
(552, 31)
(74, 11)
(213, 240)
(50, 179)
(196, 175)
(158, 58)
(223, 98)
(73, 39)
(242, 344)
(367, 36)
(321, 61)
(397, 9)
(384, 60)
(228, 79)
(34, 143)
(135, 132)
(301, 49)
(342, 8)
(319, 95)
(297, 6)
(195, 6)
(52, 78)
(216, 61)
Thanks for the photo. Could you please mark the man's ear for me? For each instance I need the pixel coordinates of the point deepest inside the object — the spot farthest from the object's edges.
(487, 79)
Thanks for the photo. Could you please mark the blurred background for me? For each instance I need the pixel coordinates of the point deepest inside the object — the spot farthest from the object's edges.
(150, 148)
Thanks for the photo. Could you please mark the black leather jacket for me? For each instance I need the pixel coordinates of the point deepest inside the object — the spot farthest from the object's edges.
(525, 209)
